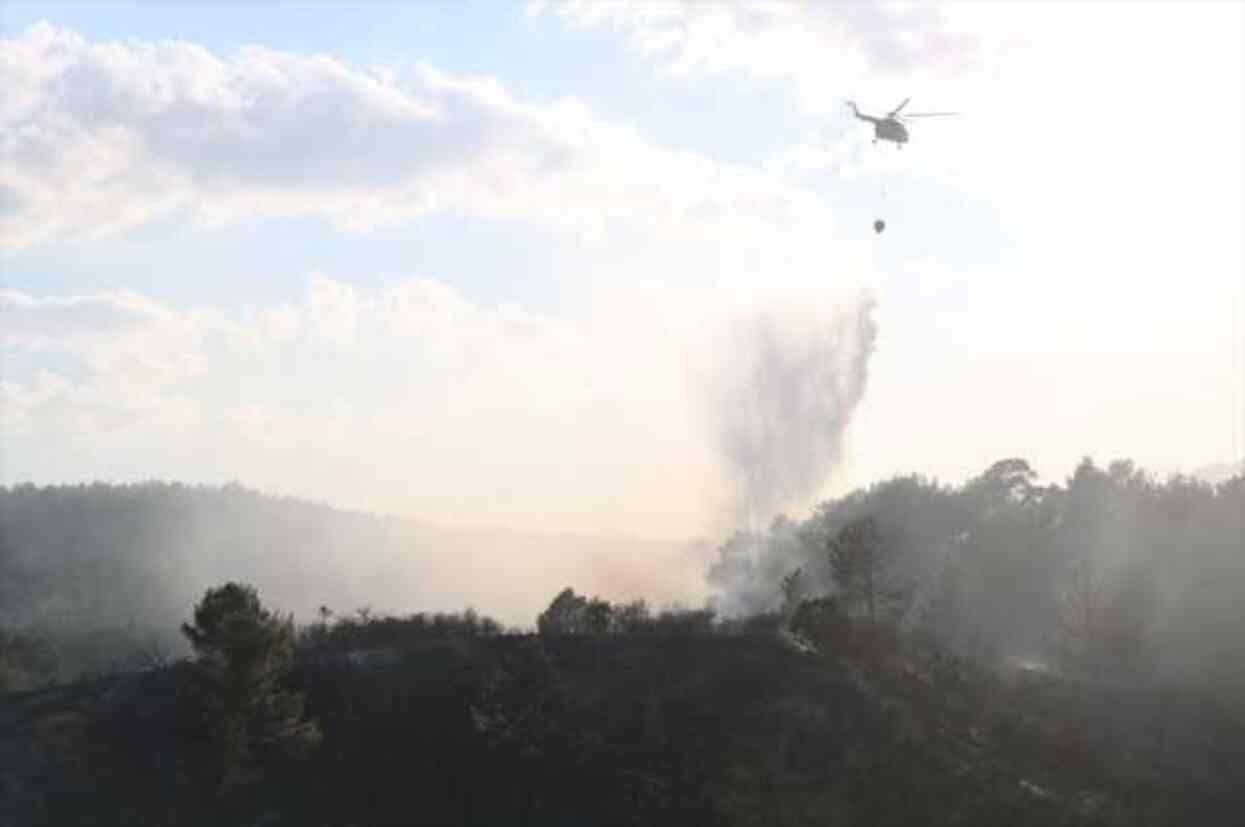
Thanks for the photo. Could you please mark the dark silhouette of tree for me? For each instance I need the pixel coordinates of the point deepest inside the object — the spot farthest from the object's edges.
(632, 617)
(598, 617)
(857, 561)
(684, 721)
(243, 654)
(521, 714)
(566, 615)
(792, 591)
(821, 622)
(1006, 480)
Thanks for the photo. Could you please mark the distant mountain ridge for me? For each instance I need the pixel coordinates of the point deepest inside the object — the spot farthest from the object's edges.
(136, 557)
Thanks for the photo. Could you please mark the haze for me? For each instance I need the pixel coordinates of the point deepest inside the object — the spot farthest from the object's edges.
(609, 269)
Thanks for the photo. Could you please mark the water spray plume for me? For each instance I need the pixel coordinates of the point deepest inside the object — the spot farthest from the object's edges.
(791, 376)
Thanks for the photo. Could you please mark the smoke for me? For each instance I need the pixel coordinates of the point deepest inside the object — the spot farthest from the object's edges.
(790, 376)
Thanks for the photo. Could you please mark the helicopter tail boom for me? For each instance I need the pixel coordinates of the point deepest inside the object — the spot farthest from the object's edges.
(852, 105)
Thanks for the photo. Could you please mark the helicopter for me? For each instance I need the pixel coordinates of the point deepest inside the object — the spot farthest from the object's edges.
(891, 127)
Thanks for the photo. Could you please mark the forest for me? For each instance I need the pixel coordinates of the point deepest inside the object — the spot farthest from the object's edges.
(1001, 651)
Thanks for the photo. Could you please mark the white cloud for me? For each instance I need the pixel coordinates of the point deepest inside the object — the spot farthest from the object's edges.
(26, 319)
(121, 334)
(137, 355)
(1117, 116)
(104, 137)
(821, 49)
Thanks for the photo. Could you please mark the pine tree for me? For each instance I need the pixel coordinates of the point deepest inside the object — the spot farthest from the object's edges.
(243, 654)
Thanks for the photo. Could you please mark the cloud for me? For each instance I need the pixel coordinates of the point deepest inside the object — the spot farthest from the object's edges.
(1055, 127)
(26, 319)
(144, 129)
(103, 137)
(818, 48)
(129, 338)
(135, 356)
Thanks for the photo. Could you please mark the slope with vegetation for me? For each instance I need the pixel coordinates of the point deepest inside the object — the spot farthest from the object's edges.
(611, 714)
(912, 654)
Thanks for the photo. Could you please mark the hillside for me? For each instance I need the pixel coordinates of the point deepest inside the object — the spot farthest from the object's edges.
(108, 572)
(667, 720)
(998, 652)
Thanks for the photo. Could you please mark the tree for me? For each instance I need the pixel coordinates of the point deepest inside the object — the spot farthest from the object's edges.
(1011, 480)
(821, 622)
(599, 616)
(792, 591)
(858, 561)
(243, 654)
(631, 617)
(1106, 621)
(520, 713)
(566, 615)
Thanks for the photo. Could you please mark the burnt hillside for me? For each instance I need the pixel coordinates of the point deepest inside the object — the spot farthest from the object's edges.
(677, 718)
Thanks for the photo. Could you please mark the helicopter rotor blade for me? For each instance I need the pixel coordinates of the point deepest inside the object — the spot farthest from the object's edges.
(895, 111)
(929, 114)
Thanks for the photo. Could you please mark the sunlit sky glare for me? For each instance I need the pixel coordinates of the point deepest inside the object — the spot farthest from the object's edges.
(457, 261)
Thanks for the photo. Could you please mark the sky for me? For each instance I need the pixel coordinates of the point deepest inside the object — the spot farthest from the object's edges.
(577, 266)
